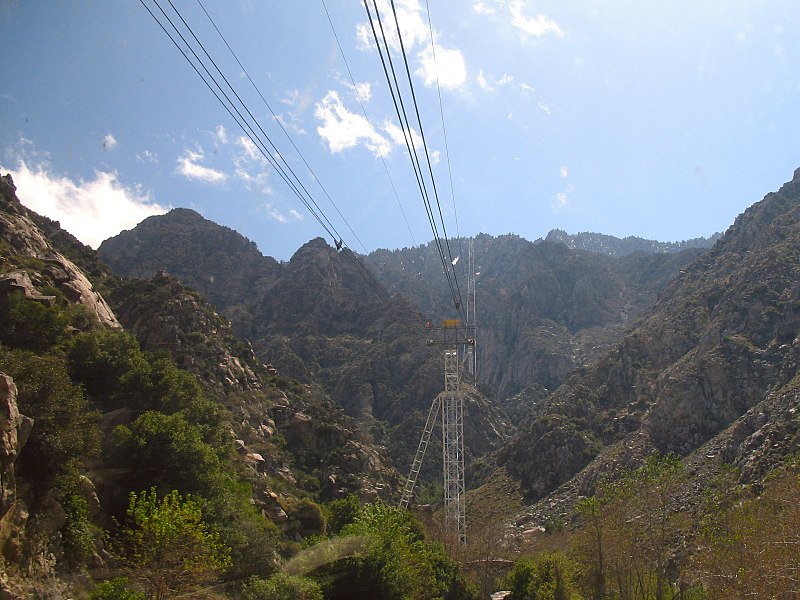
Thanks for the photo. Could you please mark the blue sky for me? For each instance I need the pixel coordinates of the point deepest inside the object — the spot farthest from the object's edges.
(658, 119)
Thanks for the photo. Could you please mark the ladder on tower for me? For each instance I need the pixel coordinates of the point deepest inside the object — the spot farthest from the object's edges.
(416, 466)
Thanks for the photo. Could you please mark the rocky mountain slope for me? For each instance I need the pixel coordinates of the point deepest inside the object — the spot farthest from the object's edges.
(278, 440)
(324, 319)
(614, 246)
(542, 309)
(710, 371)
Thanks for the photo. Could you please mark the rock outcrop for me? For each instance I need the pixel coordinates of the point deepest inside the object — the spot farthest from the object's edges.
(25, 242)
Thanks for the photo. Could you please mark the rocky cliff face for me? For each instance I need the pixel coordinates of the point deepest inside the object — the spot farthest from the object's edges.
(721, 343)
(222, 265)
(30, 262)
(542, 309)
(163, 314)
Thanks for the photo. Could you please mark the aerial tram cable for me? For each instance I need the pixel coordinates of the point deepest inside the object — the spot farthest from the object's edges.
(238, 117)
(404, 124)
(364, 110)
(459, 305)
(337, 237)
(444, 134)
(280, 124)
(247, 128)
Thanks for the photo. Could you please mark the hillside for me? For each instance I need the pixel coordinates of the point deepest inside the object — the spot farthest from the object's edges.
(542, 309)
(708, 373)
(145, 385)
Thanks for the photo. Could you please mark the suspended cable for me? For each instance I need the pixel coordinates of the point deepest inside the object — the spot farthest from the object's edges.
(399, 105)
(237, 117)
(444, 129)
(364, 111)
(459, 304)
(280, 124)
(247, 128)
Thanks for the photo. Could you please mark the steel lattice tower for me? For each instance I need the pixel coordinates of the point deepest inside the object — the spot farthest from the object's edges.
(451, 403)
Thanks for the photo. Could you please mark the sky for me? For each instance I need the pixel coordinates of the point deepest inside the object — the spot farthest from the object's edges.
(662, 120)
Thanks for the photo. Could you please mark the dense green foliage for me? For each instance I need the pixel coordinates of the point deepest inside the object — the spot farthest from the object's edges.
(282, 586)
(391, 559)
(547, 576)
(64, 428)
(29, 324)
(166, 543)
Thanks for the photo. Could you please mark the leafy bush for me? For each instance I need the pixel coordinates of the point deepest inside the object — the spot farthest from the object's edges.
(64, 429)
(98, 359)
(30, 325)
(281, 586)
(115, 589)
(166, 543)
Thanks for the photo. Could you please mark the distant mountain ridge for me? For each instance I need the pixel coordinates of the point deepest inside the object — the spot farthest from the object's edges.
(609, 245)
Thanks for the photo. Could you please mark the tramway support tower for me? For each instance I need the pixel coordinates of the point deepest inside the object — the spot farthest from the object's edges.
(453, 337)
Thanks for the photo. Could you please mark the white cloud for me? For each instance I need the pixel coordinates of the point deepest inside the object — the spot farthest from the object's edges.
(413, 27)
(221, 134)
(342, 129)
(276, 214)
(297, 100)
(562, 198)
(91, 210)
(538, 25)
(109, 142)
(147, 156)
(290, 121)
(395, 133)
(564, 171)
(189, 166)
(483, 81)
(281, 217)
(361, 91)
(482, 8)
(436, 156)
(544, 107)
(446, 63)
(250, 166)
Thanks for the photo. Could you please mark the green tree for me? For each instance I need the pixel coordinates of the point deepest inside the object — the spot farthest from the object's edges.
(629, 529)
(64, 430)
(115, 589)
(167, 545)
(99, 359)
(29, 324)
(393, 560)
(546, 576)
(282, 586)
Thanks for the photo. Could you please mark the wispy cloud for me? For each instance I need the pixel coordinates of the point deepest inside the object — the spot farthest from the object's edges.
(109, 142)
(91, 210)
(395, 134)
(342, 129)
(537, 25)
(413, 26)
(250, 166)
(361, 91)
(443, 64)
(189, 166)
(483, 8)
(147, 156)
(281, 217)
(562, 199)
(449, 63)
(221, 134)
(489, 86)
